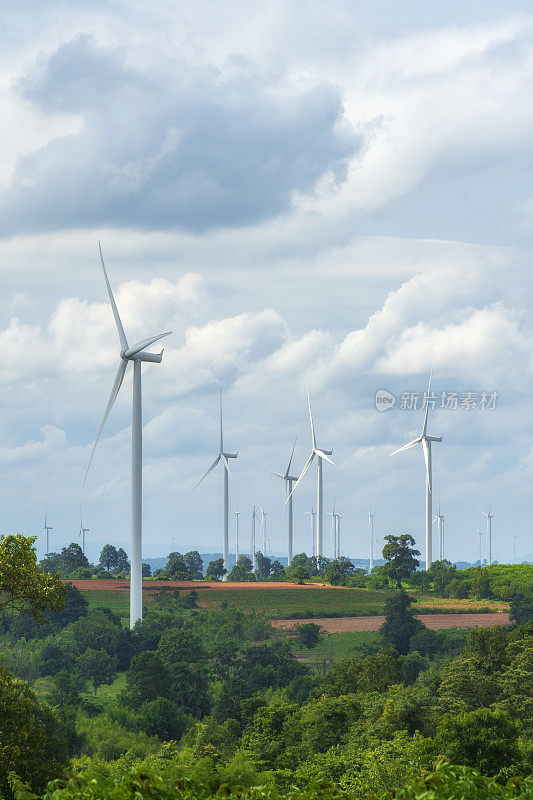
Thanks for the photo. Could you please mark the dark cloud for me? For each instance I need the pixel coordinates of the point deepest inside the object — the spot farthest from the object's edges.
(179, 147)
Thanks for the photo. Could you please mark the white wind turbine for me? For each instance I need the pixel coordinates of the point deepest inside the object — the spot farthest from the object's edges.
(371, 532)
(223, 456)
(335, 530)
(440, 521)
(320, 455)
(236, 523)
(47, 528)
(312, 516)
(425, 440)
(82, 533)
(264, 528)
(288, 480)
(489, 517)
(137, 354)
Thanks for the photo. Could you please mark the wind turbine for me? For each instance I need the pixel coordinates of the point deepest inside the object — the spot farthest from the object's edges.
(335, 530)
(480, 534)
(47, 528)
(222, 456)
(489, 517)
(321, 455)
(515, 539)
(440, 520)
(339, 517)
(371, 530)
(137, 354)
(289, 480)
(425, 440)
(312, 518)
(82, 533)
(252, 547)
(264, 528)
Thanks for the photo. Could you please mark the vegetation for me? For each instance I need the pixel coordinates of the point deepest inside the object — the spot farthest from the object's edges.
(197, 702)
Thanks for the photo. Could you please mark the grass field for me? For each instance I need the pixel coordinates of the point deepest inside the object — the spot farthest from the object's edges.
(302, 602)
(335, 647)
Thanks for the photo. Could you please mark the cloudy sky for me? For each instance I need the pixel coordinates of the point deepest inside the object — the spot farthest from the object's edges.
(333, 201)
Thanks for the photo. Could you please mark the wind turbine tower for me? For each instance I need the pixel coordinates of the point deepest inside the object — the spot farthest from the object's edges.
(515, 539)
(480, 534)
(47, 528)
(440, 522)
(82, 533)
(371, 531)
(321, 455)
(252, 548)
(489, 517)
(425, 440)
(223, 456)
(136, 354)
(312, 518)
(264, 529)
(288, 479)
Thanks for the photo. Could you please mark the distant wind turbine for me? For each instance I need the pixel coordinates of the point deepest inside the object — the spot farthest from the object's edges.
(288, 481)
(312, 517)
(137, 354)
(47, 528)
(371, 531)
(515, 539)
(480, 534)
(440, 521)
(321, 455)
(252, 545)
(82, 533)
(425, 440)
(222, 456)
(264, 529)
(489, 517)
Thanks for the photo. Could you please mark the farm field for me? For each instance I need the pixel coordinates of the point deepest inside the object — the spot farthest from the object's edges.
(435, 622)
(280, 600)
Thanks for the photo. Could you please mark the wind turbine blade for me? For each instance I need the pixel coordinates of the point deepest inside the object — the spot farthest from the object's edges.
(311, 420)
(323, 455)
(136, 348)
(226, 464)
(427, 405)
(308, 464)
(118, 321)
(119, 377)
(407, 446)
(277, 474)
(290, 459)
(425, 447)
(213, 465)
(483, 512)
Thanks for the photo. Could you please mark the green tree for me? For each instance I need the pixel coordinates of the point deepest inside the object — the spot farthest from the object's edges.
(216, 569)
(299, 574)
(66, 689)
(146, 680)
(277, 571)
(176, 568)
(97, 666)
(108, 557)
(72, 558)
(23, 586)
(146, 571)
(194, 564)
(484, 739)
(32, 745)
(521, 609)
(400, 623)
(162, 718)
(263, 566)
(122, 563)
(242, 571)
(399, 553)
(308, 635)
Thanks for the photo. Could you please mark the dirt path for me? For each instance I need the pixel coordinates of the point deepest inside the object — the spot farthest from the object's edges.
(433, 621)
(151, 587)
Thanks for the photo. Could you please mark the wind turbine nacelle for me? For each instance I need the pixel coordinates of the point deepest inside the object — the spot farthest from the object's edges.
(231, 455)
(155, 358)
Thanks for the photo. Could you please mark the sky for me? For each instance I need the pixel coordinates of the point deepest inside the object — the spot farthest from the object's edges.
(333, 199)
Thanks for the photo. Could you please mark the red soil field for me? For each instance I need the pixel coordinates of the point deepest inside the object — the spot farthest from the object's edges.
(433, 621)
(151, 587)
